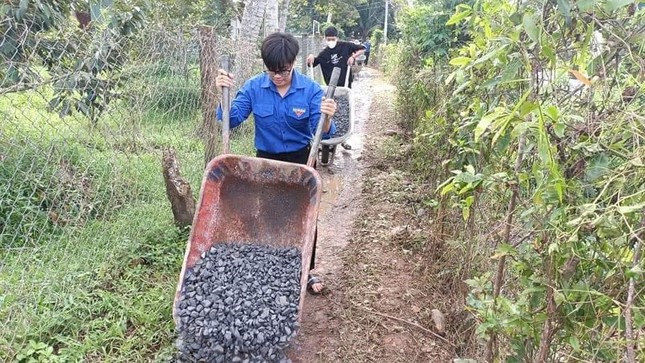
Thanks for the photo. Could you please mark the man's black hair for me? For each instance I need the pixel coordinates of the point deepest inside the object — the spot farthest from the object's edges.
(279, 51)
(331, 32)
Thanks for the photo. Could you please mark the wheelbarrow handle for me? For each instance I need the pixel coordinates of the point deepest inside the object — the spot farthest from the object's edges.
(349, 69)
(310, 68)
(226, 108)
(331, 89)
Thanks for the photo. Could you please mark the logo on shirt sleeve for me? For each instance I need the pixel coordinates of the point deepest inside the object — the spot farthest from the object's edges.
(299, 111)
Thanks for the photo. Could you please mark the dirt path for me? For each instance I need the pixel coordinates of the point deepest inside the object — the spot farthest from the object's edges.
(366, 235)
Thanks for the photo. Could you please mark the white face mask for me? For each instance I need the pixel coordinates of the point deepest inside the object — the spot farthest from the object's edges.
(331, 43)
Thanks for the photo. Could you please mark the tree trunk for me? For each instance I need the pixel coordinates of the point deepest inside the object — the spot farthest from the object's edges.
(283, 14)
(246, 42)
(271, 17)
(178, 190)
(252, 19)
(208, 72)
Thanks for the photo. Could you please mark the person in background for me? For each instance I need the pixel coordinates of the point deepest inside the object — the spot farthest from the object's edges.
(337, 53)
(286, 107)
(368, 46)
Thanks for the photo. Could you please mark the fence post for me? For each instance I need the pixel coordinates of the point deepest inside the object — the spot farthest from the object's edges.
(314, 48)
(304, 51)
(208, 73)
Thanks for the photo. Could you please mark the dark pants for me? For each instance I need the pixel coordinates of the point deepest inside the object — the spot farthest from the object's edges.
(367, 57)
(298, 157)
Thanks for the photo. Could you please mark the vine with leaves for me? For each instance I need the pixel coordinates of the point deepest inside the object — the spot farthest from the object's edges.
(535, 125)
(555, 90)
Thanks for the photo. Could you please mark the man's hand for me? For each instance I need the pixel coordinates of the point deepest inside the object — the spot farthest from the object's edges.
(328, 107)
(223, 79)
(310, 59)
(350, 60)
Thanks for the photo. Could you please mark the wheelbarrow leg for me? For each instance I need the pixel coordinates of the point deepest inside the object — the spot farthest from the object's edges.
(325, 153)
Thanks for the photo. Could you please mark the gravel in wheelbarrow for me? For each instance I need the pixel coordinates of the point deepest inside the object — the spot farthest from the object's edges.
(341, 117)
(240, 304)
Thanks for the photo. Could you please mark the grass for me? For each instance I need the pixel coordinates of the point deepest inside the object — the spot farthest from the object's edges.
(89, 254)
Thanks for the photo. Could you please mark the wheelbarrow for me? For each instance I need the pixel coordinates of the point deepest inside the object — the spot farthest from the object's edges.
(328, 146)
(358, 66)
(238, 200)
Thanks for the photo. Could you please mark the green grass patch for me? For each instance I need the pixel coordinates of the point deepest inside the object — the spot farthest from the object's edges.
(89, 255)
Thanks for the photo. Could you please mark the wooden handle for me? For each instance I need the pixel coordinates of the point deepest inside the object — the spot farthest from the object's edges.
(349, 68)
(226, 109)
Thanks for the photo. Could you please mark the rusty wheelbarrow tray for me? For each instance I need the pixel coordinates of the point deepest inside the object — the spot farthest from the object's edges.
(254, 201)
(250, 200)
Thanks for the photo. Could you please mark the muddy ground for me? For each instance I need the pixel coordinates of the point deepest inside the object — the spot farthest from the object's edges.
(375, 251)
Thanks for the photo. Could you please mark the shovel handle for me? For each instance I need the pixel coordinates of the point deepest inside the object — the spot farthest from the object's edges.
(226, 108)
(331, 89)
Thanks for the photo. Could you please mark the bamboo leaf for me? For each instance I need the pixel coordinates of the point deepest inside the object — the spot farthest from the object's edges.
(458, 17)
(612, 5)
(460, 61)
(490, 54)
(484, 123)
(631, 208)
(585, 5)
(574, 342)
(504, 124)
(530, 26)
(564, 7)
(549, 52)
(597, 168)
(580, 77)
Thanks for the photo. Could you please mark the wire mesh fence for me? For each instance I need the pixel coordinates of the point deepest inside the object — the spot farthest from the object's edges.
(89, 254)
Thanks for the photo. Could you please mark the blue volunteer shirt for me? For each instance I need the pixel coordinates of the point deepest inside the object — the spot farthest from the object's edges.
(282, 124)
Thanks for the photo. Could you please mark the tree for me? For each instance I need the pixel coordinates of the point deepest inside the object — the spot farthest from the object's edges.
(303, 12)
(252, 19)
(371, 17)
(22, 22)
(214, 13)
(271, 23)
(82, 63)
(283, 14)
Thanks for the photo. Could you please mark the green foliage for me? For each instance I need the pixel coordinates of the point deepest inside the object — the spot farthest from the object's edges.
(377, 50)
(37, 352)
(371, 17)
(303, 12)
(83, 64)
(377, 38)
(341, 32)
(424, 30)
(90, 255)
(21, 21)
(423, 48)
(118, 304)
(531, 109)
(357, 18)
(215, 13)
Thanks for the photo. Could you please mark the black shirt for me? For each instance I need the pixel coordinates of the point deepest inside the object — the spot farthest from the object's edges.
(337, 57)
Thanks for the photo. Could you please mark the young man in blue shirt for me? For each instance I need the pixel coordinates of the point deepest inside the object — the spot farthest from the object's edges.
(286, 107)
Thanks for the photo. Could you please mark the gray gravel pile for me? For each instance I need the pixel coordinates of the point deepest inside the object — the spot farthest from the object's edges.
(341, 117)
(240, 304)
